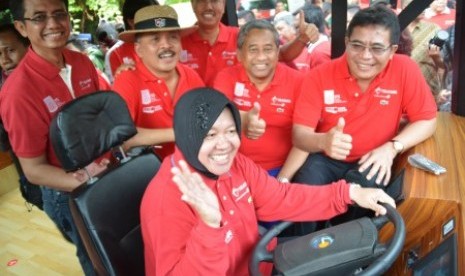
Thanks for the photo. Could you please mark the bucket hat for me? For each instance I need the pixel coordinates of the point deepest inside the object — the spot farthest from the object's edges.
(154, 18)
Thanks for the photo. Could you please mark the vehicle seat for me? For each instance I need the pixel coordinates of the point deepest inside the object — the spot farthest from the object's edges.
(106, 208)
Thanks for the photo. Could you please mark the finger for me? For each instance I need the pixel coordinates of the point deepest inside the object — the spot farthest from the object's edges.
(184, 167)
(381, 175)
(385, 198)
(367, 162)
(255, 111)
(362, 161)
(302, 23)
(373, 171)
(387, 177)
(340, 124)
(104, 162)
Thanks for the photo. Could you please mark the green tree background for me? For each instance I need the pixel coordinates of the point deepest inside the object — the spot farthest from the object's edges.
(85, 14)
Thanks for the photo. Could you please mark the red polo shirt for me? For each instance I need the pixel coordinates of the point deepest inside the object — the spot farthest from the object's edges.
(32, 96)
(372, 118)
(149, 100)
(178, 242)
(120, 53)
(277, 103)
(208, 59)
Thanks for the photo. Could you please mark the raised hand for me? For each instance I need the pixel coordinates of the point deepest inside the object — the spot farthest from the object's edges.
(197, 194)
(307, 32)
(255, 125)
(337, 143)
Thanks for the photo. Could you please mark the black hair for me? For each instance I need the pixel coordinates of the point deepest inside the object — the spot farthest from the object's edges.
(17, 8)
(246, 15)
(260, 24)
(314, 15)
(79, 44)
(377, 15)
(130, 7)
(5, 28)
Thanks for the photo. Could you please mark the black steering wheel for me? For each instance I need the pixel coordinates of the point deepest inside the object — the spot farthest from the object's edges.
(350, 254)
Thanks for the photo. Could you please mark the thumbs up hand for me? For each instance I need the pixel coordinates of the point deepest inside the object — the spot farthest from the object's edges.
(337, 143)
(307, 32)
(255, 126)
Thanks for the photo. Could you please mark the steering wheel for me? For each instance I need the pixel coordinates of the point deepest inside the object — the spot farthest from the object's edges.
(354, 245)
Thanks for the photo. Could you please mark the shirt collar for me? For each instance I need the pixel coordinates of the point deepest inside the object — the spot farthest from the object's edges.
(222, 35)
(44, 67)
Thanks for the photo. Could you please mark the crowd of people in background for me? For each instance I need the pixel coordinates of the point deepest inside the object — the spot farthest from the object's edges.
(292, 110)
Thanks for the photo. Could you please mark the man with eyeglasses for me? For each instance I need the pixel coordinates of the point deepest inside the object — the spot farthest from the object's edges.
(48, 77)
(349, 109)
(213, 46)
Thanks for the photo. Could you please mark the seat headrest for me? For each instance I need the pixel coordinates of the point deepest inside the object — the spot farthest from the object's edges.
(88, 127)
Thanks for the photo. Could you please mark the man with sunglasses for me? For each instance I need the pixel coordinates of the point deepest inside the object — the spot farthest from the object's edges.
(350, 109)
(48, 77)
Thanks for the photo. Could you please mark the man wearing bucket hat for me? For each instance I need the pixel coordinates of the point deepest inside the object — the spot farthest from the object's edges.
(153, 88)
(121, 56)
(212, 46)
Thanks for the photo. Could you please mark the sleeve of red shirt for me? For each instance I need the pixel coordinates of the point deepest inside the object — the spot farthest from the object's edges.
(418, 101)
(294, 202)
(309, 106)
(176, 242)
(125, 86)
(223, 83)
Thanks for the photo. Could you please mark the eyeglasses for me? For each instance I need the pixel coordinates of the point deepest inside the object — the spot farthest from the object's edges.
(42, 18)
(375, 50)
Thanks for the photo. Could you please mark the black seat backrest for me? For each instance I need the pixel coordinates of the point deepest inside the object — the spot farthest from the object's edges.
(105, 212)
(4, 142)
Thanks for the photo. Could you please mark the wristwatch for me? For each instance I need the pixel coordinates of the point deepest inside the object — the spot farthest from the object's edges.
(398, 146)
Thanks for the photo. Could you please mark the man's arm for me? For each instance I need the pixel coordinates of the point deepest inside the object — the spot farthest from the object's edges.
(40, 172)
(295, 159)
(149, 137)
(382, 157)
(308, 33)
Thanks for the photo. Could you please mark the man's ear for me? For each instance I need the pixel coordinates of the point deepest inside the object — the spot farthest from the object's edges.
(239, 55)
(137, 47)
(20, 27)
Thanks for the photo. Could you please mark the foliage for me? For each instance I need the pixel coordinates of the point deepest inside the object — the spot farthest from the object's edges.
(171, 2)
(86, 14)
(5, 17)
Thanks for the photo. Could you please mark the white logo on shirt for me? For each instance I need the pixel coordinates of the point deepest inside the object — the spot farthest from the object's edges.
(128, 60)
(229, 236)
(51, 104)
(280, 101)
(240, 192)
(85, 84)
(329, 96)
(239, 89)
(151, 109)
(145, 96)
(335, 109)
(243, 103)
